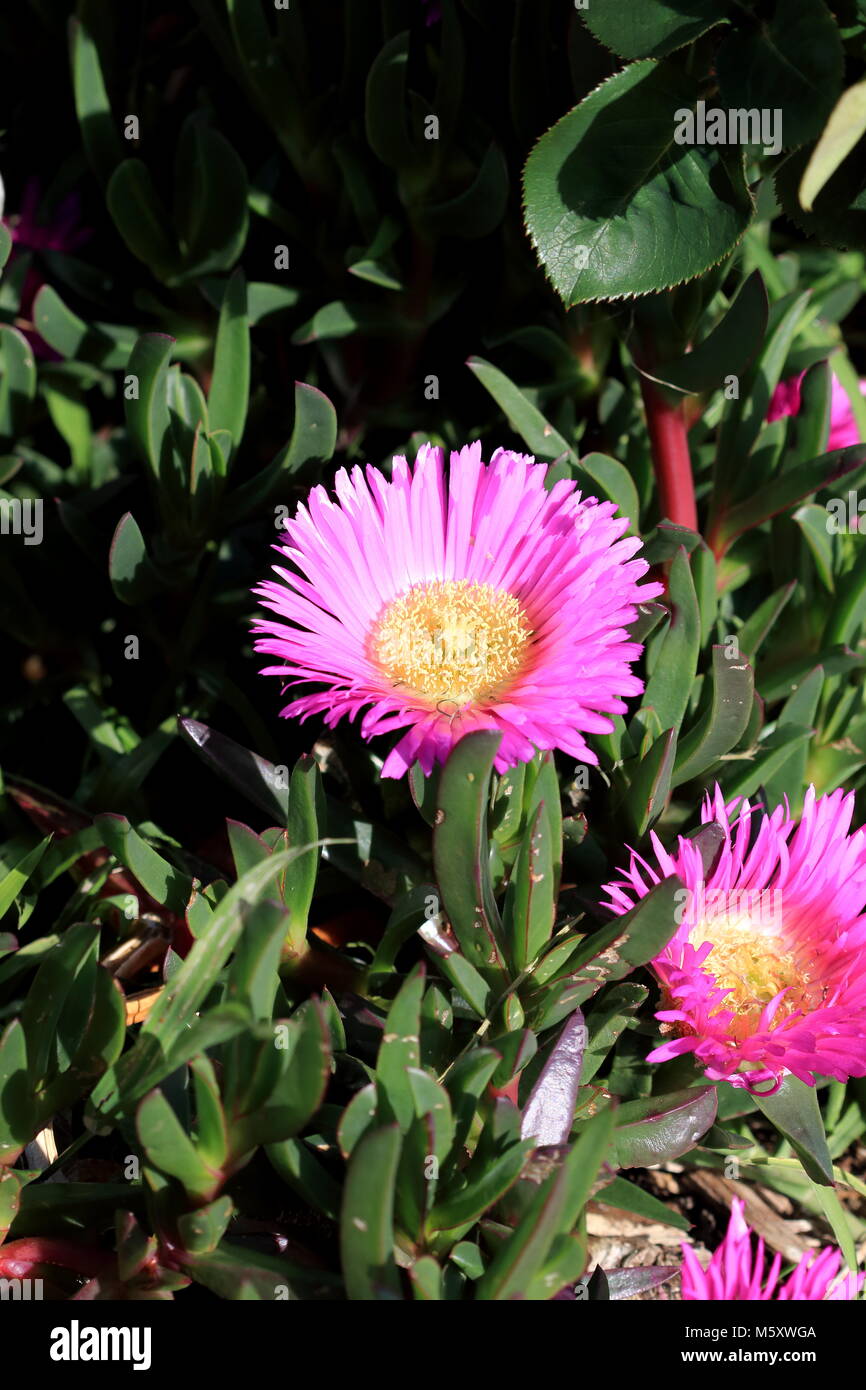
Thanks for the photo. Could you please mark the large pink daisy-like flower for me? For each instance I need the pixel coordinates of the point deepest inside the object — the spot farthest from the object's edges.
(766, 972)
(736, 1272)
(480, 602)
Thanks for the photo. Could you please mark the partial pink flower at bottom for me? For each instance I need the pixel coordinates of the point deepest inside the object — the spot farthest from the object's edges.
(449, 603)
(736, 1273)
(844, 430)
(765, 975)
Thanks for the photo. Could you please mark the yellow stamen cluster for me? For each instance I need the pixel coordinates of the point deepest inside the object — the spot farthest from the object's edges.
(451, 641)
(755, 965)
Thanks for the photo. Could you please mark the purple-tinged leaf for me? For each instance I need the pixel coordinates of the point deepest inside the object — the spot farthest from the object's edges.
(625, 1283)
(549, 1110)
(657, 1128)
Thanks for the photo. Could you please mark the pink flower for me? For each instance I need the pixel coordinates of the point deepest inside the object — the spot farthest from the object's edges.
(843, 427)
(480, 602)
(63, 233)
(765, 974)
(735, 1273)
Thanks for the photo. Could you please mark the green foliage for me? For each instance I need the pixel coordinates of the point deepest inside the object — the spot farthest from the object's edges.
(384, 1029)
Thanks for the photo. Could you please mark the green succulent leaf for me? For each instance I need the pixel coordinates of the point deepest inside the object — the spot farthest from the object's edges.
(660, 1128)
(796, 1113)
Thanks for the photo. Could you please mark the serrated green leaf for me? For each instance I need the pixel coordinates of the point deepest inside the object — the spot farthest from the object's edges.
(659, 214)
(654, 28)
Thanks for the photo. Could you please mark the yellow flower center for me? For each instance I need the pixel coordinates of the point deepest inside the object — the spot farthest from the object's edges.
(754, 964)
(451, 641)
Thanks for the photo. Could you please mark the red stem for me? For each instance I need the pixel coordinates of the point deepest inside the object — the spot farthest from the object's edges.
(18, 1257)
(671, 460)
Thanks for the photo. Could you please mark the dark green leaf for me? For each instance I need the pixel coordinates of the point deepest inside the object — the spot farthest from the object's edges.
(658, 214)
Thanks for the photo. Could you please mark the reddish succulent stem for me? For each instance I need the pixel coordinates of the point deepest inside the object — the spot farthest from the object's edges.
(671, 459)
(19, 1257)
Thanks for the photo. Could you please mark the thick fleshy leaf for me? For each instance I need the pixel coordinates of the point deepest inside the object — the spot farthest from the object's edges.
(56, 979)
(460, 852)
(304, 826)
(795, 1112)
(11, 1184)
(133, 576)
(399, 1050)
(188, 988)
(107, 344)
(147, 415)
(530, 899)
(169, 1148)
(549, 1110)
(660, 1128)
(168, 885)
(846, 614)
(627, 1196)
(725, 721)
(607, 1019)
(626, 1283)
(141, 218)
(649, 787)
(15, 878)
(845, 126)
(728, 349)
(541, 438)
(552, 1213)
(670, 684)
(202, 1230)
(239, 1273)
(631, 940)
(99, 134)
(479, 209)
(230, 383)
(745, 415)
(386, 108)
(267, 786)
(312, 444)
(483, 1185)
(211, 199)
(17, 381)
(272, 1103)
(606, 477)
(16, 1092)
(367, 1217)
(786, 490)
